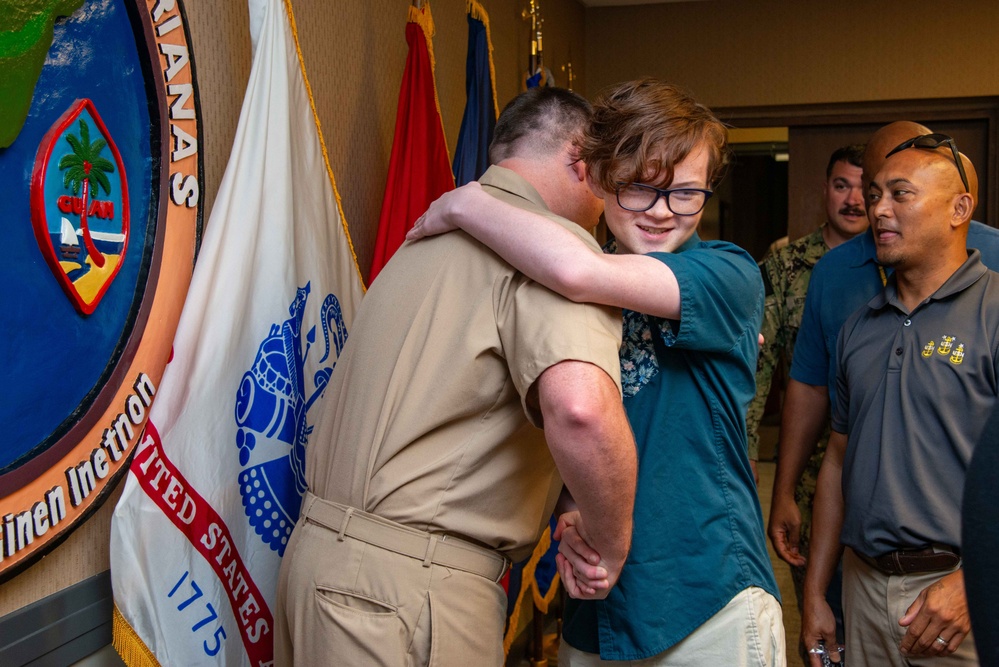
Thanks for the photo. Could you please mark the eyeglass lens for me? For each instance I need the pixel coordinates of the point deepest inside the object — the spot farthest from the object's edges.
(638, 197)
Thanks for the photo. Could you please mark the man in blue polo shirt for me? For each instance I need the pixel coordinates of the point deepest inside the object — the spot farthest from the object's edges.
(843, 280)
(917, 371)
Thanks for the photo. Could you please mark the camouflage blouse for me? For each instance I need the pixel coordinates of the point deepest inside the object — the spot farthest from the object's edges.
(785, 277)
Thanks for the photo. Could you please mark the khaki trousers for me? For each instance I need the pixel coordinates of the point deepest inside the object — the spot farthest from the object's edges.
(872, 604)
(747, 632)
(345, 603)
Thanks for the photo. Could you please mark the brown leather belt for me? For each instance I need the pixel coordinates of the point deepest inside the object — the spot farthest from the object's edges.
(431, 548)
(911, 561)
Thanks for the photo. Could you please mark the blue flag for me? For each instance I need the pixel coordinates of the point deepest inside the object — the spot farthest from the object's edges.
(471, 157)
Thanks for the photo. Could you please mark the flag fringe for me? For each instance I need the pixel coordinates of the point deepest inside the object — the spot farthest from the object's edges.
(423, 18)
(541, 601)
(511, 631)
(322, 141)
(128, 644)
(478, 12)
(528, 582)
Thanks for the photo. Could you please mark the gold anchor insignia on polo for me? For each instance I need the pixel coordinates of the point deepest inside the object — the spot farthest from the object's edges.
(928, 348)
(946, 343)
(958, 355)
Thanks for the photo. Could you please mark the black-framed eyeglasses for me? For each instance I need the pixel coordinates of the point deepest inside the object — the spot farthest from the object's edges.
(639, 197)
(931, 142)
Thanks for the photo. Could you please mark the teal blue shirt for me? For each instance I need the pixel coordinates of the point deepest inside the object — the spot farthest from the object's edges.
(698, 538)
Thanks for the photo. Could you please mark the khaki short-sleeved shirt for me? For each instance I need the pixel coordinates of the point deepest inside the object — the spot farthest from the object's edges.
(427, 423)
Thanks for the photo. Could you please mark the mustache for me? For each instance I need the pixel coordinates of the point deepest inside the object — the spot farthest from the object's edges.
(852, 210)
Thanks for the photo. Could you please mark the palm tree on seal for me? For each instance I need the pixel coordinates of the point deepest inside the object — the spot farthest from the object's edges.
(84, 165)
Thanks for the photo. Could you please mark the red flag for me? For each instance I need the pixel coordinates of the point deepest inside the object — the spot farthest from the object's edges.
(420, 167)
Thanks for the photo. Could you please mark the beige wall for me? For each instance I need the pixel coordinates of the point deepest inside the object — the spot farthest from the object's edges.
(85, 552)
(354, 53)
(767, 52)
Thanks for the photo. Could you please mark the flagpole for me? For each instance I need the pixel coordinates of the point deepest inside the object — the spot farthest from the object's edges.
(537, 76)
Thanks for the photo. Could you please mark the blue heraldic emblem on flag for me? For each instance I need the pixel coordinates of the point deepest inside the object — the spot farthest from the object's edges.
(271, 403)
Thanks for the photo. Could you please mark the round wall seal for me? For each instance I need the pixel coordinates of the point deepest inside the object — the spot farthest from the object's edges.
(102, 180)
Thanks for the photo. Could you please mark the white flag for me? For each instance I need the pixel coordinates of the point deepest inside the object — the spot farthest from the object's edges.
(215, 486)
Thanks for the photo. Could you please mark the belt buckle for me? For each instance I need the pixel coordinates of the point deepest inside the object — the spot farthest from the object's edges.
(896, 562)
(907, 561)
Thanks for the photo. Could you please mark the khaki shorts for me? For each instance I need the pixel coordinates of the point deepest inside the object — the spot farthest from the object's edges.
(747, 632)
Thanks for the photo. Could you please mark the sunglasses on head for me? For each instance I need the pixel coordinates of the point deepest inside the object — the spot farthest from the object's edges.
(931, 142)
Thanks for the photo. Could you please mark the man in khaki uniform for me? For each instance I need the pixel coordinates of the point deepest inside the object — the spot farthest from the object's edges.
(426, 473)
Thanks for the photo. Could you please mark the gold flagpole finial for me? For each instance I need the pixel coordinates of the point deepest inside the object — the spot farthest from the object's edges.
(567, 68)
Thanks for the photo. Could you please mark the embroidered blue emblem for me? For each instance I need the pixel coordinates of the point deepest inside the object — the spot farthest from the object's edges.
(271, 404)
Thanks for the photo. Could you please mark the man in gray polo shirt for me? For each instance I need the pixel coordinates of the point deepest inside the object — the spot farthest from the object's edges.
(917, 381)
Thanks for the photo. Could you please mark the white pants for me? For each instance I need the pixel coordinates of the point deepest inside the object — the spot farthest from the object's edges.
(747, 632)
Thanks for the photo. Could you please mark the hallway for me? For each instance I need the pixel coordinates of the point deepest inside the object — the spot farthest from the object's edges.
(792, 617)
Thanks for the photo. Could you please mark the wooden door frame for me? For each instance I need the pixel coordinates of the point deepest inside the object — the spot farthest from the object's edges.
(850, 113)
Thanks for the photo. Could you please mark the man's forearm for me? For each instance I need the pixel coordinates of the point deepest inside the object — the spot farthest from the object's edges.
(599, 465)
(827, 520)
(803, 418)
(591, 441)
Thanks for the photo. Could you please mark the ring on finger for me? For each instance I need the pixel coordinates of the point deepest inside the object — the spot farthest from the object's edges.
(941, 640)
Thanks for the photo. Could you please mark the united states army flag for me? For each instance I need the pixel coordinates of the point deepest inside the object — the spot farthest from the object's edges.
(215, 486)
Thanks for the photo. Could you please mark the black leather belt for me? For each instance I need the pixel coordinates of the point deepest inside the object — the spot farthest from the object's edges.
(912, 561)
